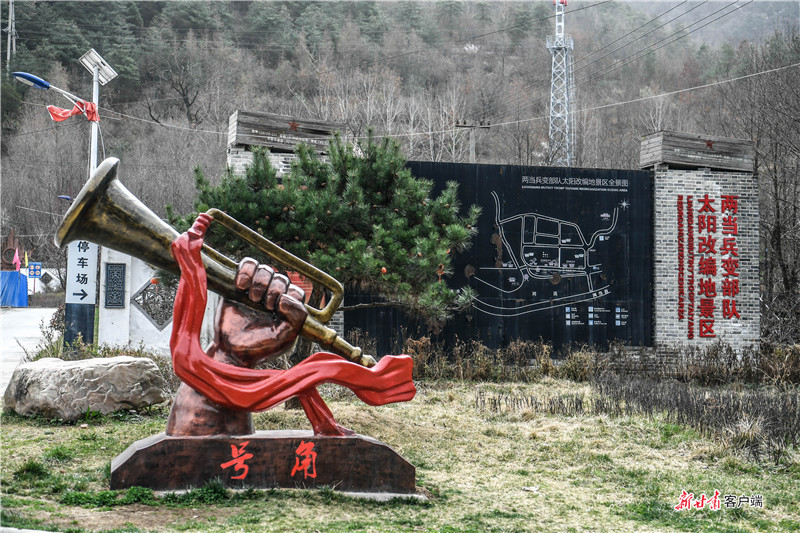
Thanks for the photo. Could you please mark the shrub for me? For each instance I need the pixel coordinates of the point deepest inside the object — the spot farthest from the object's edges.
(30, 470)
(141, 495)
(52, 345)
(780, 365)
(105, 498)
(47, 298)
(580, 364)
(764, 422)
(471, 360)
(363, 340)
(423, 352)
(716, 364)
(59, 454)
(545, 362)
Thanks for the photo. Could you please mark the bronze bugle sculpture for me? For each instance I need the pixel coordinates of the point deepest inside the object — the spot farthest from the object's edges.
(210, 432)
(107, 213)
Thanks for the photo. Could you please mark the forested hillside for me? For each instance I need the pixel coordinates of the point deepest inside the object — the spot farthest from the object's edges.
(411, 70)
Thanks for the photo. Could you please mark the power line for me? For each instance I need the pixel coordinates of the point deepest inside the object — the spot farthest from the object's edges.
(637, 55)
(350, 67)
(26, 162)
(522, 120)
(584, 110)
(650, 48)
(606, 106)
(662, 95)
(51, 128)
(240, 44)
(184, 128)
(40, 211)
(430, 49)
(541, 83)
(390, 58)
(645, 49)
(653, 30)
(615, 41)
(54, 127)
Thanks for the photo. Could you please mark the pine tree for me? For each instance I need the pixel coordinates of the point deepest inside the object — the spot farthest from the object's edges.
(365, 219)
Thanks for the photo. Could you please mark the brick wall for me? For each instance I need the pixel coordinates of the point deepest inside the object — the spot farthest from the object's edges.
(337, 322)
(714, 245)
(239, 158)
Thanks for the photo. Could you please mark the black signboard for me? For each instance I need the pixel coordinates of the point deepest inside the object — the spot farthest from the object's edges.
(562, 254)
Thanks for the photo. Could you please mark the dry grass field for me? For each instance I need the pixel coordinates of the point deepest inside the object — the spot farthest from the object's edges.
(483, 470)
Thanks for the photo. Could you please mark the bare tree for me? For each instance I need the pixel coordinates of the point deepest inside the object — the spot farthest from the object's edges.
(765, 108)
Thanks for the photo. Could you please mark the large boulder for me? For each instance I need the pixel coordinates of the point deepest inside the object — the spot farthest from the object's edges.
(54, 388)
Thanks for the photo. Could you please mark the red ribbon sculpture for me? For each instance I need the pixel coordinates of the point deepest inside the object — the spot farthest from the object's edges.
(248, 389)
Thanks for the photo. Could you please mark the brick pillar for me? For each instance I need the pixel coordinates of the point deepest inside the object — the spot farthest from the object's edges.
(239, 157)
(706, 250)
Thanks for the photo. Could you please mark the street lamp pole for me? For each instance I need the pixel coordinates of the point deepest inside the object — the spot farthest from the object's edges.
(95, 124)
(82, 256)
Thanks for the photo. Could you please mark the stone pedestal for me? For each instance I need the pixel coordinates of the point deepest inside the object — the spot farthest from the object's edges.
(265, 459)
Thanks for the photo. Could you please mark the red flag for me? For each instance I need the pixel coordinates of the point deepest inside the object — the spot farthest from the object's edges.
(59, 115)
(16, 262)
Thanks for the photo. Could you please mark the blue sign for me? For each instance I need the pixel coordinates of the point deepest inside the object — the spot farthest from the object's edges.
(34, 270)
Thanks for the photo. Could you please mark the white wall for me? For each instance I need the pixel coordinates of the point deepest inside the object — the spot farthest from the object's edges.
(130, 326)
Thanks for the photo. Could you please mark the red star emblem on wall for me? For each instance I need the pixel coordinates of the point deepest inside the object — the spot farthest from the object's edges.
(710, 145)
(293, 126)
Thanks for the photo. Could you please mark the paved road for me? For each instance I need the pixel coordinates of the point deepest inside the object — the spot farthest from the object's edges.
(19, 328)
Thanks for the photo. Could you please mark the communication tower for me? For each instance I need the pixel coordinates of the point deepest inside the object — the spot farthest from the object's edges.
(562, 91)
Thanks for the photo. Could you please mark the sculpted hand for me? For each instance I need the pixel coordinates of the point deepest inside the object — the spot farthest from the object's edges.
(253, 336)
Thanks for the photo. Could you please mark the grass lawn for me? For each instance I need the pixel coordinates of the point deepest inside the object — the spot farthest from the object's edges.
(513, 470)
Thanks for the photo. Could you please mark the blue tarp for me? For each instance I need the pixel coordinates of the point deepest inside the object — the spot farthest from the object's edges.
(13, 289)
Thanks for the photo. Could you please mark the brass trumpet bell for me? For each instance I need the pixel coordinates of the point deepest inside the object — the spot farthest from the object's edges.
(107, 213)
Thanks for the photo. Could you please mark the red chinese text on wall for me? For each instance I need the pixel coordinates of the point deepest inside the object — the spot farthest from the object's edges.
(690, 264)
(707, 266)
(715, 261)
(306, 460)
(681, 259)
(730, 248)
(239, 457)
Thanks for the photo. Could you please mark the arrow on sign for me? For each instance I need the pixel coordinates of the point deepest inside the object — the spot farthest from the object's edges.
(83, 294)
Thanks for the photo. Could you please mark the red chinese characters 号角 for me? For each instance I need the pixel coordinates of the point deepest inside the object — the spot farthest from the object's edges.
(239, 457)
(306, 460)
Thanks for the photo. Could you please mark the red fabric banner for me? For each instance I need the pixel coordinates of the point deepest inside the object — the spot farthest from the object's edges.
(258, 390)
(60, 115)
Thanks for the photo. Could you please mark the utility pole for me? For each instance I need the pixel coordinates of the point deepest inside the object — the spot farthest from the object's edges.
(472, 128)
(82, 256)
(562, 88)
(95, 124)
(11, 29)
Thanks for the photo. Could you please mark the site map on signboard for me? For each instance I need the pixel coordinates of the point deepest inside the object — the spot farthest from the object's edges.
(561, 254)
